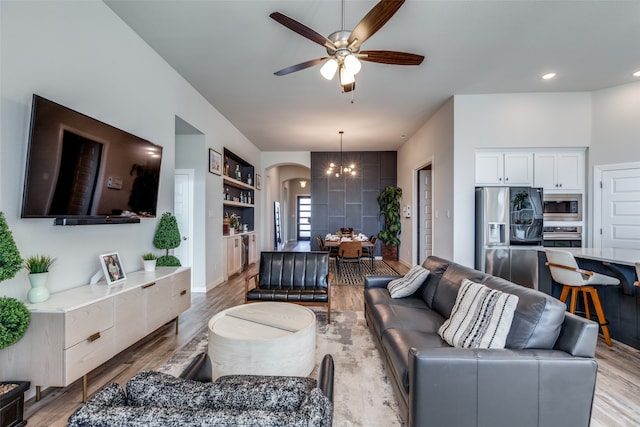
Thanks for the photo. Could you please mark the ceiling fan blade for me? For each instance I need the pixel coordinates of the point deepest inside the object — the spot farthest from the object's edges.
(300, 66)
(302, 29)
(374, 20)
(390, 57)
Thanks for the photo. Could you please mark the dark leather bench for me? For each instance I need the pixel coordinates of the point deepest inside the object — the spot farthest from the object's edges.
(296, 277)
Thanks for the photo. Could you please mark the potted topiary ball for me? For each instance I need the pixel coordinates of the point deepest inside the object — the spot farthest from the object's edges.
(167, 237)
(14, 321)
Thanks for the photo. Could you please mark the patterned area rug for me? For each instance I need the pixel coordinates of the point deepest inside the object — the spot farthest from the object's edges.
(362, 393)
(350, 276)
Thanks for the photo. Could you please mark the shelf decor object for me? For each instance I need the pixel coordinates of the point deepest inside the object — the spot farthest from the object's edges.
(112, 268)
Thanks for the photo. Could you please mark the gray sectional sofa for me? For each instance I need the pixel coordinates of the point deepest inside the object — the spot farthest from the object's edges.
(545, 375)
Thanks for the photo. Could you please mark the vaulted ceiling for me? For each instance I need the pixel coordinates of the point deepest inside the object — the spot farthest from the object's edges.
(228, 51)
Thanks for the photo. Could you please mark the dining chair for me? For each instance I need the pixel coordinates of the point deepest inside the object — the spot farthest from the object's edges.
(333, 250)
(370, 252)
(349, 252)
(564, 270)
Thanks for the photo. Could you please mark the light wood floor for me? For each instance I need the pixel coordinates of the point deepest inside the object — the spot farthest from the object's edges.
(617, 401)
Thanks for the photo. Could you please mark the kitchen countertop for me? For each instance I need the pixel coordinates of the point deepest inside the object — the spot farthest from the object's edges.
(613, 255)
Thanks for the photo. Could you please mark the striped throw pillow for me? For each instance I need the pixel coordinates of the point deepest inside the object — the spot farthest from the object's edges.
(409, 283)
(481, 317)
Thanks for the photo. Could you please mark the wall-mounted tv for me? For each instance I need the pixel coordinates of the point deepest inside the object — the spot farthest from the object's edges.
(83, 171)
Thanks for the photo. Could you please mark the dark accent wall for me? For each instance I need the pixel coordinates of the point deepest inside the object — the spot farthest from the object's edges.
(349, 201)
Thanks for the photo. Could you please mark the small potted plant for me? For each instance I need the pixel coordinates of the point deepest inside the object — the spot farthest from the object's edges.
(234, 223)
(149, 260)
(38, 267)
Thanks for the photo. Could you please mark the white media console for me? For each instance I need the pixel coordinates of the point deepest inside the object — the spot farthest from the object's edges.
(77, 330)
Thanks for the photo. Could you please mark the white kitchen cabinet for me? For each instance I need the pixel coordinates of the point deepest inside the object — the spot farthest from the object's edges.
(508, 168)
(234, 255)
(559, 171)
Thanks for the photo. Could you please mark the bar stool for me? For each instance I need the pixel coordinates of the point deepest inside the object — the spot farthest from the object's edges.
(565, 270)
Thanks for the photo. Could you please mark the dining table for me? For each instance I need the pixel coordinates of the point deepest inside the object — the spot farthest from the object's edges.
(334, 240)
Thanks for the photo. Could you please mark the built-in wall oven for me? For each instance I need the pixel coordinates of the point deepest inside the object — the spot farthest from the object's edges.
(562, 207)
(562, 236)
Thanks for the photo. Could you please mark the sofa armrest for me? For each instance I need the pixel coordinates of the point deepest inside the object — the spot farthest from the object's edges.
(199, 369)
(378, 281)
(578, 336)
(325, 376)
(490, 387)
(109, 396)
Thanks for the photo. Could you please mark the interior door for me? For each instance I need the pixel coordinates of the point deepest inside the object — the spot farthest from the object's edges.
(183, 211)
(621, 208)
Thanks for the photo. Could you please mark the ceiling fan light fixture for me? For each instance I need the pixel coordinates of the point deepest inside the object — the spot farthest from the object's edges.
(346, 78)
(352, 64)
(329, 69)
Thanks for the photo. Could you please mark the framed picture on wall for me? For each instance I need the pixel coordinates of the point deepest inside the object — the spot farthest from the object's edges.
(215, 162)
(258, 181)
(112, 268)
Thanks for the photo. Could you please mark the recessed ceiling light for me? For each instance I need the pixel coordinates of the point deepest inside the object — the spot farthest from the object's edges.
(548, 76)
(636, 74)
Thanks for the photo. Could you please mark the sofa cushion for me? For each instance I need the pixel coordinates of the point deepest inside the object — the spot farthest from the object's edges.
(237, 392)
(400, 317)
(437, 267)
(381, 296)
(409, 283)
(538, 319)
(480, 318)
(447, 288)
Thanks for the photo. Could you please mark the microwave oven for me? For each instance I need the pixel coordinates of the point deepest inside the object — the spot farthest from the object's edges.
(562, 207)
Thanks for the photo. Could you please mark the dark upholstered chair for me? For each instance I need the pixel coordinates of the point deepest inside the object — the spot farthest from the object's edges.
(157, 399)
(296, 277)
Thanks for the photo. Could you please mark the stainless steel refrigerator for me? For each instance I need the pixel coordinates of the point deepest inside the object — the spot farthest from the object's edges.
(509, 222)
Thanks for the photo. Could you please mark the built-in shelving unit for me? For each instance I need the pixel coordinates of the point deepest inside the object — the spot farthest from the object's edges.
(238, 194)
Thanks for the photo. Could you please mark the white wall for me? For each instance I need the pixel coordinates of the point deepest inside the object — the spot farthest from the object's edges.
(616, 133)
(433, 143)
(616, 125)
(81, 55)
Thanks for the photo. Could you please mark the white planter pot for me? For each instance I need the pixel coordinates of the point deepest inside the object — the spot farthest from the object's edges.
(232, 231)
(38, 291)
(149, 264)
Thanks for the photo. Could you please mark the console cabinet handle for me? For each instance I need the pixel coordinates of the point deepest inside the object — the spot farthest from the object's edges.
(93, 337)
(183, 292)
(148, 285)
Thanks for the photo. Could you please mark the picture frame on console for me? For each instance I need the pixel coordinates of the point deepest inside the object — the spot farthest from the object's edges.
(215, 162)
(112, 268)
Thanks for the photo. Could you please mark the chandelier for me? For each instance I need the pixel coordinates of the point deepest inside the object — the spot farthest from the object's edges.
(340, 169)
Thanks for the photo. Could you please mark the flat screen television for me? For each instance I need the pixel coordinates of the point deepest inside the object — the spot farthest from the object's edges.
(83, 171)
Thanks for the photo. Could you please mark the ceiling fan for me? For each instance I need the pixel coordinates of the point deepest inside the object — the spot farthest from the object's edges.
(343, 47)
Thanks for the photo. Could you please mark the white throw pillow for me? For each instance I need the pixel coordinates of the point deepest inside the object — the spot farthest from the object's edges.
(480, 318)
(409, 283)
